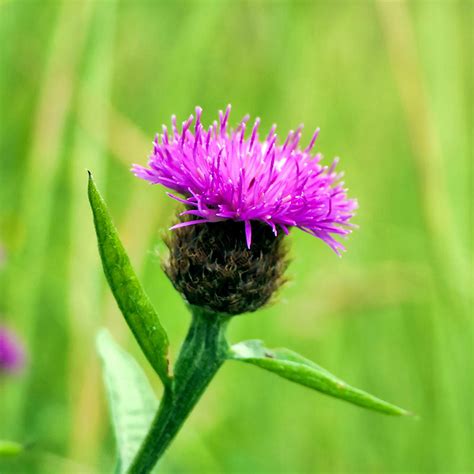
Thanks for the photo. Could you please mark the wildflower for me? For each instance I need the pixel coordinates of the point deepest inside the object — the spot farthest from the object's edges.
(225, 175)
(11, 353)
(241, 196)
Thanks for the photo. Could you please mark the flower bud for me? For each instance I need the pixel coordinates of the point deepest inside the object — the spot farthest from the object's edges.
(12, 356)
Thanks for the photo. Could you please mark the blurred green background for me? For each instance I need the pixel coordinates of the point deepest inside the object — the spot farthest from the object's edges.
(87, 84)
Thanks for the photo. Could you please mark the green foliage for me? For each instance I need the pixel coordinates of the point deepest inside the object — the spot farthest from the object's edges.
(393, 99)
(202, 353)
(132, 402)
(292, 366)
(129, 294)
(10, 448)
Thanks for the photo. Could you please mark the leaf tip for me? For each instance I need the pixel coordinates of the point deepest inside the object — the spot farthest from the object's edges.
(411, 415)
(103, 342)
(398, 411)
(90, 180)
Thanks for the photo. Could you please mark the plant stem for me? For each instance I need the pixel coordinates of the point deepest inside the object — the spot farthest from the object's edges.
(203, 352)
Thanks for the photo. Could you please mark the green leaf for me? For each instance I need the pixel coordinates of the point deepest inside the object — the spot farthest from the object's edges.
(292, 366)
(128, 292)
(10, 448)
(132, 401)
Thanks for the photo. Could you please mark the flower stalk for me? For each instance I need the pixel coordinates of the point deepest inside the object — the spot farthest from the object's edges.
(203, 352)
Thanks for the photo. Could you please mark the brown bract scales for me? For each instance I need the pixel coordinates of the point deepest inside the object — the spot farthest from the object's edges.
(211, 266)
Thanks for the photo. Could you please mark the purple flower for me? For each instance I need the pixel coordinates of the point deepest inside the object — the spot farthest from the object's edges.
(12, 357)
(224, 174)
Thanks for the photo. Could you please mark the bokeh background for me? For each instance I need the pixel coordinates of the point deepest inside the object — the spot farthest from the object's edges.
(87, 84)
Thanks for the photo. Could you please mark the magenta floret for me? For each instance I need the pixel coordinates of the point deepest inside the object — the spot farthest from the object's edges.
(12, 357)
(223, 174)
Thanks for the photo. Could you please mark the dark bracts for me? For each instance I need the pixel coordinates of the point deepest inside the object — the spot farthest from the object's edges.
(211, 266)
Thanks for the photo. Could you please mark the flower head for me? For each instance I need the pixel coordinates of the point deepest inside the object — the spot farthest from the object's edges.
(226, 174)
(11, 353)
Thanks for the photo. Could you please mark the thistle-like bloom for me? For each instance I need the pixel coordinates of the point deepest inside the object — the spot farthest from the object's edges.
(11, 353)
(223, 174)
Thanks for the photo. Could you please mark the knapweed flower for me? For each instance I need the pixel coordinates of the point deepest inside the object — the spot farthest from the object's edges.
(12, 357)
(224, 175)
(244, 194)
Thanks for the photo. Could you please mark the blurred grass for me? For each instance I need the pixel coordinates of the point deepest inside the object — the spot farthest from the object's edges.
(87, 84)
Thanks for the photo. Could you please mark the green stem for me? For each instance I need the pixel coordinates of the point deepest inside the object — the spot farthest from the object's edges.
(203, 352)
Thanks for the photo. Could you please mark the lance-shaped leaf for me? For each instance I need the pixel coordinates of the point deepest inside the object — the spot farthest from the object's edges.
(128, 292)
(132, 402)
(292, 366)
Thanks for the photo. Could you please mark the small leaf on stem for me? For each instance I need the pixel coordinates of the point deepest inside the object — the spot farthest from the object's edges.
(128, 292)
(131, 399)
(294, 367)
